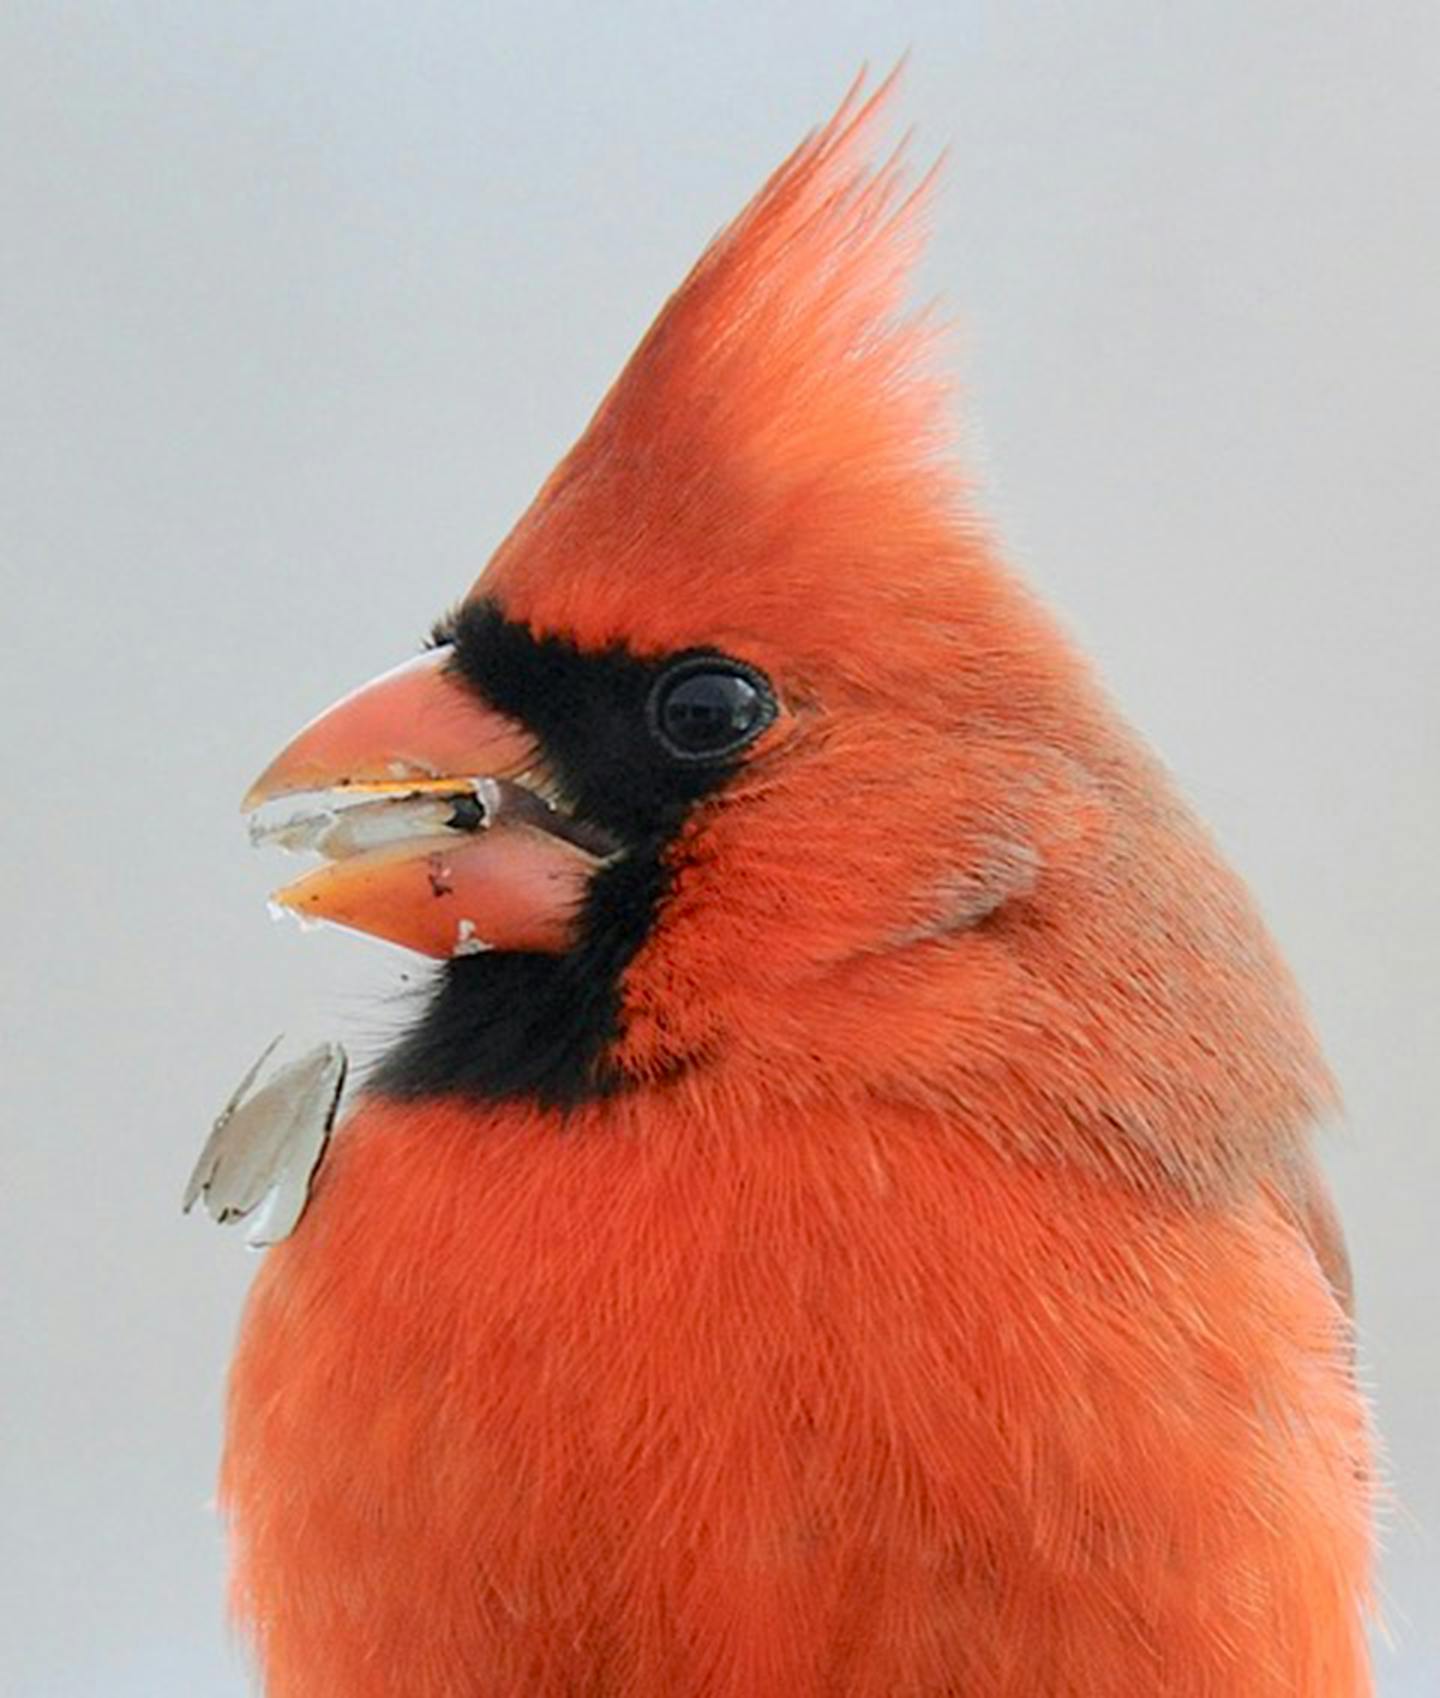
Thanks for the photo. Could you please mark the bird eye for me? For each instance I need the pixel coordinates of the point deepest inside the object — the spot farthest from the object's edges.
(703, 709)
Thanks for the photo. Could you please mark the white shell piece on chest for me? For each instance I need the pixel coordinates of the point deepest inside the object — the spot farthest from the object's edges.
(269, 1143)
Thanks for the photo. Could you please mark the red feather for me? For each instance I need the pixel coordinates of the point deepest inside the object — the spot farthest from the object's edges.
(940, 1317)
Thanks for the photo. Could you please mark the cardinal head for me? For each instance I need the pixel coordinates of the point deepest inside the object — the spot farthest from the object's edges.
(747, 759)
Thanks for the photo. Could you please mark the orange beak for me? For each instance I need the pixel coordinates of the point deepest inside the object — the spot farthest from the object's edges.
(441, 837)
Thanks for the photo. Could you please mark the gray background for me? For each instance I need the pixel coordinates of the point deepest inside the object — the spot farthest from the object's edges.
(298, 304)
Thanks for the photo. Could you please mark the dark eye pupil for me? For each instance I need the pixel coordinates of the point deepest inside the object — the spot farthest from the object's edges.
(711, 712)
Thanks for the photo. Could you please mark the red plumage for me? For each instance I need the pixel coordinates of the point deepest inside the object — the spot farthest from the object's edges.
(942, 1307)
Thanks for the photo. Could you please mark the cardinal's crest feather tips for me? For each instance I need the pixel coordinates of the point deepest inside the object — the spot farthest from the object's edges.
(792, 318)
(783, 399)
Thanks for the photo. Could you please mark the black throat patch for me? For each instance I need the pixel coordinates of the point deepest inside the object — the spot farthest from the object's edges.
(503, 1025)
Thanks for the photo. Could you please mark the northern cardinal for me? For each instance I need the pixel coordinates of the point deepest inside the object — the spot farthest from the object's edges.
(844, 1223)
